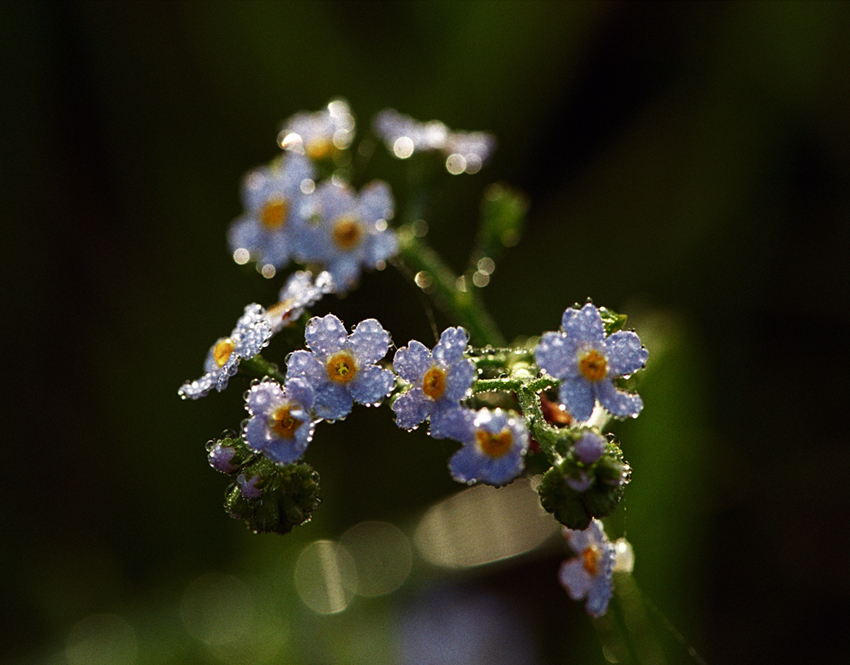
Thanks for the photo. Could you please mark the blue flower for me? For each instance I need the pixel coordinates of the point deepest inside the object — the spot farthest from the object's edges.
(589, 574)
(273, 199)
(587, 362)
(280, 426)
(589, 447)
(347, 232)
(301, 290)
(251, 334)
(439, 380)
(465, 152)
(319, 134)
(341, 368)
(494, 445)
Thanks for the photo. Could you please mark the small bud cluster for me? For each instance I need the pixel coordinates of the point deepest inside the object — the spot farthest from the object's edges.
(536, 408)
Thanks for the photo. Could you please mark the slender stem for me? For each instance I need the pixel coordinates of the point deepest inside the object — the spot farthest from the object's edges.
(464, 306)
(260, 367)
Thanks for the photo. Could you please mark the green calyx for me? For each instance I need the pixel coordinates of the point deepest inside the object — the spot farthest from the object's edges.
(290, 495)
(576, 493)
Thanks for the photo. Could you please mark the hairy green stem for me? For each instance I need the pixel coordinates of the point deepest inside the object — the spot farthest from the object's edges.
(260, 367)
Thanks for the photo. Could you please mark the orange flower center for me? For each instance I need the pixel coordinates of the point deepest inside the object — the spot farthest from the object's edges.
(590, 560)
(222, 350)
(273, 215)
(319, 149)
(341, 367)
(494, 445)
(283, 424)
(347, 233)
(593, 365)
(434, 383)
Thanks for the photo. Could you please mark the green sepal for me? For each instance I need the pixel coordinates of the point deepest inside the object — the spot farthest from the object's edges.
(503, 212)
(290, 496)
(611, 320)
(558, 498)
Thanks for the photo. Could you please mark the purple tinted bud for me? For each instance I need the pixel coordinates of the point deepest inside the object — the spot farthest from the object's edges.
(221, 458)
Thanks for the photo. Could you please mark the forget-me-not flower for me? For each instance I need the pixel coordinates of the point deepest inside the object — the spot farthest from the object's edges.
(340, 367)
(318, 134)
(348, 232)
(587, 362)
(280, 426)
(439, 380)
(301, 290)
(465, 152)
(252, 332)
(590, 573)
(273, 198)
(494, 445)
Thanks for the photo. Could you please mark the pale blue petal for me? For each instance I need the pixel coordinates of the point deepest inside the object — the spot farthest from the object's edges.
(376, 201)
(264, 397)
(305, 364)
(457, 424)
(459, 380)
(301, 392)
(412, 361)
(555, 354)
(584, 324)
(624, 353)
(371, 384)
(257, 434)
(451, 346)
(574, 578)
(617, 402)
(411, 409)
(325, 335)
(369, 342)
(332, 401)
(577, 395)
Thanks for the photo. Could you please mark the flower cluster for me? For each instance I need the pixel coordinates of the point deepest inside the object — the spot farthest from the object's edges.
(538, 407)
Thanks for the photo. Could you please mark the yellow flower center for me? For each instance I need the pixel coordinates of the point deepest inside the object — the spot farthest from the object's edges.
(319, 149)
(273, 214)
(590, 560)
(342, 367)
(283, 424)
(593, 365)
(222, 350)
(434, 383)
(347, 233)
(494, 445)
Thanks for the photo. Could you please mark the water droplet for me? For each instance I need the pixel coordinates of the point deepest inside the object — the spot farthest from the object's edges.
(486, 265)
(455, 164)
(308, 186)
(241, 256)
(403, 147)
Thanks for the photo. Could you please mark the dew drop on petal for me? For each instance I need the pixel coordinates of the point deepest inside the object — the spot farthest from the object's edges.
(455, 164)
(241, 256)
(403, 147)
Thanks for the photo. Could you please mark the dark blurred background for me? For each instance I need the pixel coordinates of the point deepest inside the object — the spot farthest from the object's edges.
(687, 164)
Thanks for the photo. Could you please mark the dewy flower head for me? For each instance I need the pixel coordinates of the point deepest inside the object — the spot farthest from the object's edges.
(439, 380)
(348, 232)
(321, 133)
(251, 334)
(465, 152)
(341, 368)
(280, 426)
(273, 198)
(589, 574)
(301, 290)
(587, 362)
(494, 445)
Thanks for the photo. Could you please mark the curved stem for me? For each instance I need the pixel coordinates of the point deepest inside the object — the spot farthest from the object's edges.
(464, 306)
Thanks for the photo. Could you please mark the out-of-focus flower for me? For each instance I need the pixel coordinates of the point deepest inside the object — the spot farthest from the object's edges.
(347, 232)
(300, 291)
(589, 574)
(318, 134)
(465, 152)
(273, 198)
